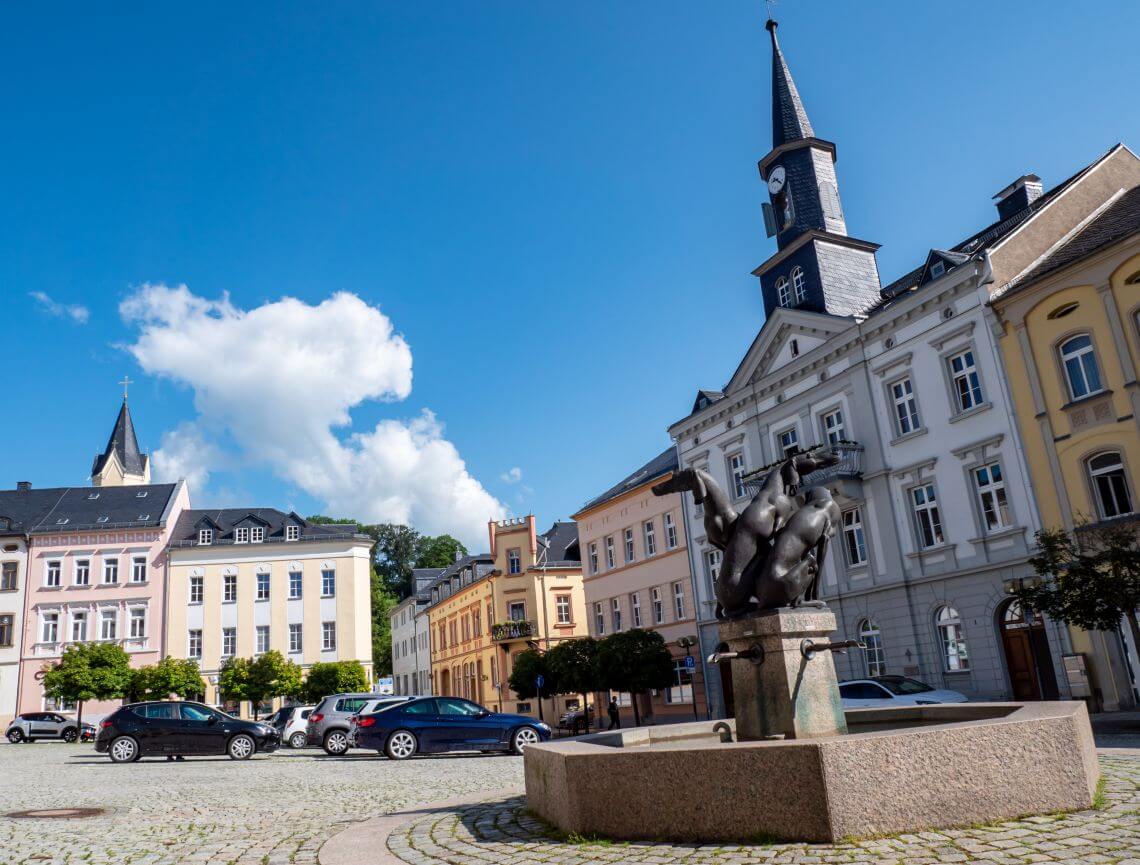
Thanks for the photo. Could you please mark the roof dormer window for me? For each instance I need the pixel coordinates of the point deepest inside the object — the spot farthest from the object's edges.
(937, 269)
(241, 535)
(141, 494)
(205, 536)
(144, 517)
(92, 496)
(62, 521)
(256, 535)
(102, 519)
(292, 533)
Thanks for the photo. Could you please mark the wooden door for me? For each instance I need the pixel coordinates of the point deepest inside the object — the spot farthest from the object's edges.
(1020, 662)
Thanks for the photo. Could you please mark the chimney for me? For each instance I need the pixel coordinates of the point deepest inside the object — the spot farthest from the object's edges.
(23, 486)
(458, 554)
(1018, 195)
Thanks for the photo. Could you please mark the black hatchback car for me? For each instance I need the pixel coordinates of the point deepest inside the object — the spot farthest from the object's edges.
(175, 728)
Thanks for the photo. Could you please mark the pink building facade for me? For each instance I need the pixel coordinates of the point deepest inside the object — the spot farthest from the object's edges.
(96, 572)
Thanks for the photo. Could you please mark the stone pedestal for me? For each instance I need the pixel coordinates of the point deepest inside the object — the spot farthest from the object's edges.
(784, 692)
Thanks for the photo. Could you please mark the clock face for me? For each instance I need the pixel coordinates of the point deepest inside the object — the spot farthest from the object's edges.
(776, 180)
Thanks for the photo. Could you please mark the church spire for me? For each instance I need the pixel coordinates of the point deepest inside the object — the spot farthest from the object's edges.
(789, 118)
(121, 463)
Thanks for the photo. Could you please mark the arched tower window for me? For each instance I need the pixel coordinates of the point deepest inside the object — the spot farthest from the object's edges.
(783, 293)
(799, 284)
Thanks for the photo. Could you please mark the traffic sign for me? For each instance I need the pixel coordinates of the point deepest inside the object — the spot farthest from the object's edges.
(539, 681)
(690, 663)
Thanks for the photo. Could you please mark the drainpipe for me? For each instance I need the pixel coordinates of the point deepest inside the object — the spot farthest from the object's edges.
(689, 552)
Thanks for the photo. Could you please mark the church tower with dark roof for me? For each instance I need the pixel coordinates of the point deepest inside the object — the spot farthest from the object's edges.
(121, 464)
(817, 266)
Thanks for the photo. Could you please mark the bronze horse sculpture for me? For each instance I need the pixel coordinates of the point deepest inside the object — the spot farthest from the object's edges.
(773, 551)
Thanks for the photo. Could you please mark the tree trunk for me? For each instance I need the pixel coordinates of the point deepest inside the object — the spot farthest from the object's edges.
(636, 711)
(79, 720)
(586, 711)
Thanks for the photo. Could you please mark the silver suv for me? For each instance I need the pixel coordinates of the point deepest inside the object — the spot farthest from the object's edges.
(329, 724)
(42, 725)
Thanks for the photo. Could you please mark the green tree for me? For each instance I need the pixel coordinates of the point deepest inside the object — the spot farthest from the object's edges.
(573, 666)
(233, 679)
(270, 675)
(178, 676)
(528, 666)
(335, 677)
(1089, 578)
(88, 671)
(438, 552)
(634, 662)
(383, 600)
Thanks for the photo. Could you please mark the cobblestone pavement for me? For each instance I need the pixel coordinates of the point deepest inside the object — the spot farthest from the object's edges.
(270, 810)
(502, 832)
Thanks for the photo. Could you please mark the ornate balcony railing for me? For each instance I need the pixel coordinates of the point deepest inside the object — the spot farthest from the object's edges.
(512, 631)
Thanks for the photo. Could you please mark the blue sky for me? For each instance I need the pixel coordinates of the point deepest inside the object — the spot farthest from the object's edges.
(556, 206)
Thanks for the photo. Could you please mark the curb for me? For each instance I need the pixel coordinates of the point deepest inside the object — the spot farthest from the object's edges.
(366, 842)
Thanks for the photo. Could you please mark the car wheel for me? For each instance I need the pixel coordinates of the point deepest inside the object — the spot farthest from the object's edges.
(336, 742)
(297, 740)
(401, 745)
(15, 737)
(124, 749)
(523, 737)
(70, 735)
(241, 747)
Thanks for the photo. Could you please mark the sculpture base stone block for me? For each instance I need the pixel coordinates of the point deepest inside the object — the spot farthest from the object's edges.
(788, 693)
(906, 769)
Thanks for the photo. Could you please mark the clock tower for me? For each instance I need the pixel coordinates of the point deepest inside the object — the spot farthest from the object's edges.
(817, 266)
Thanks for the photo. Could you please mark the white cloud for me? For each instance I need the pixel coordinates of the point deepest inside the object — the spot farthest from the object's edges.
(511, 476)
(280, 378)
(78, 314)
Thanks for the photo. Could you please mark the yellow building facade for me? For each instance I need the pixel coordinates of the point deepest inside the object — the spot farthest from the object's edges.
(485, 610)
(242, 582)
(1070, 338)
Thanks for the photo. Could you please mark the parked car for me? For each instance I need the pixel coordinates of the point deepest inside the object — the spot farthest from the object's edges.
(436, 724)
(881, 691)
(291, 723)
(329, 722)
(177, 728)
(575, 720)
(31, 726)
(377, 705)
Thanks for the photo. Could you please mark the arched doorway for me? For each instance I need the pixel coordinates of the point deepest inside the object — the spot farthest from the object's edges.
(1026, 653)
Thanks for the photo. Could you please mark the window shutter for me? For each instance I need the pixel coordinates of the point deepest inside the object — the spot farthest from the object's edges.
(769, 219)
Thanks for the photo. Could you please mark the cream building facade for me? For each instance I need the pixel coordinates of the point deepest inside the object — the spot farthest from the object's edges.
(242, 582)
(1070, 331)
(636, 575)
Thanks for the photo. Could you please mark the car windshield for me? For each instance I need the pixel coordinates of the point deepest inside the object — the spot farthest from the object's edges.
(903, 685)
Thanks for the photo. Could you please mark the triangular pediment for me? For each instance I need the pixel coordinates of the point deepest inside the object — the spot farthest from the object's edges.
(774, 348)
(207, 523)
(250, 519)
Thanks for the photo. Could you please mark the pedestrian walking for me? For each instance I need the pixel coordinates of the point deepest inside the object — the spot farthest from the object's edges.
(615, 715)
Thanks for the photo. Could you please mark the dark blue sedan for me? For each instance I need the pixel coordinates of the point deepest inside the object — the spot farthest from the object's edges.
(433, 725)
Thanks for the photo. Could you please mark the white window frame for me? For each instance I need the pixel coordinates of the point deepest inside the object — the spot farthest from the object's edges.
(927, 516)
(79, 619)
(799, 284)
(593, 557)
(229, 588)
(679, 600)
(670, 532)
(260, 645)
(649, 538)
(328, 583)
(296, 585)
(296, 638)
(630, 553)
(82, 575)
(951, 640)
(229, 636)
(736, 472)
(635, 609)
(108, 625)
(516, 611)
(138, 567)
(965, 380)
(111, 569)
(514, 561)
(1082, 357)
(874, 656)
(197, 588)
(854, 538)
(194, 643)
(563, 611)
(136, 623)
(599, 619)
(833, 427)
(292, 532)
(1105, 472)
(658, 606)
(904, 406)
(205, 536)
(49, 627)
(241, 535)
(610, 560)
(53, 573)
(712, 564)
(615, 614)
(263, 581)
(993, 502)
(787, 440)
(257, 534)
(783, 292)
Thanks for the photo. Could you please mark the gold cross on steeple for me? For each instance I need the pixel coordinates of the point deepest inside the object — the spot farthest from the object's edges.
(126, 382)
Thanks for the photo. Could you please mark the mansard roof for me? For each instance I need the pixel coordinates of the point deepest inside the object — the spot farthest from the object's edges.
(659, 466)
(274, 521)
(67, 509)
(124, 445)
(561, 542)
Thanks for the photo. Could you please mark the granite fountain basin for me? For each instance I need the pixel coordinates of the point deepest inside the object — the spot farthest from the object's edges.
(903, 769)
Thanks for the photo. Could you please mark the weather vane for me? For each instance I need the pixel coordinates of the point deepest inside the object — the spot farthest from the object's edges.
(126, 382)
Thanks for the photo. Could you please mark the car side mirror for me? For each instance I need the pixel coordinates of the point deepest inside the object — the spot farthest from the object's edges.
(213, 719)
(482, 713)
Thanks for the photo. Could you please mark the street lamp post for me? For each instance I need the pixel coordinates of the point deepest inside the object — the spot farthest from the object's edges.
(687, 644)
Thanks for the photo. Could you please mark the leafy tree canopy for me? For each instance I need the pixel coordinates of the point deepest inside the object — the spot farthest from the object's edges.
(178, 676)
(89, 671)
(529, 665)
(573, 666)
(270, 675)
(335, 677)
(1090, 578)
(233, 679)
(634, 661)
